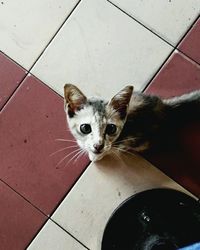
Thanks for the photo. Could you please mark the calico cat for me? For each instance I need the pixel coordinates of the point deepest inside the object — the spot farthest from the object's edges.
(130, 121)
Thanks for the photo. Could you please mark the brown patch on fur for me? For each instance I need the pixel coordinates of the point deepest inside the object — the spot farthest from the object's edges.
(121, 101)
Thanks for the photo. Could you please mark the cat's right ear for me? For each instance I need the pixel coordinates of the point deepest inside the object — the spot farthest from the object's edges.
(74, 99)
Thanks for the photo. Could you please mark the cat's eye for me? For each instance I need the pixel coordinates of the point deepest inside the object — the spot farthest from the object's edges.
(85, 129)
(111, 129)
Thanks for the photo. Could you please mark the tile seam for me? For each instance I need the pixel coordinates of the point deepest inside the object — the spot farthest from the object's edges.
(43, 225)
(155, 33)
(47, 45)
(61, 200)
(174, 46)
(68, 233)
(140, 23)
(24, 198)
(55, 34)
(38, 231)
(13, 92)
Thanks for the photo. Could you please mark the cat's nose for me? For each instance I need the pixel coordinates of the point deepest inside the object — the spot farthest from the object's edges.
(98, 147)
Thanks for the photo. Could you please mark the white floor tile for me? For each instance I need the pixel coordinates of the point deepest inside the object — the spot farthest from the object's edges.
(170, 19)
(52, 237)
(102, 187)
(27, 26)
(100, 49)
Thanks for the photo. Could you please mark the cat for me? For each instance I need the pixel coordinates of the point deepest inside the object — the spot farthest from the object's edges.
(130, 121)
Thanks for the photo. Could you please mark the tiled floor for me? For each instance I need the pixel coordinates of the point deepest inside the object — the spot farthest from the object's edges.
(52, 204)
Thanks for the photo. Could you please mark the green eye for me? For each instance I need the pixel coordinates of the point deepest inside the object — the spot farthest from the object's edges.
(85, 129)
(111, 129)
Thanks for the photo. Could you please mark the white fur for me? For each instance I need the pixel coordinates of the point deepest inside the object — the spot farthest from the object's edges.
(98, 125)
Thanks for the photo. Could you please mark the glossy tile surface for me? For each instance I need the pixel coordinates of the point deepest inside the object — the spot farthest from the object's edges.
(26, 27)
(103, 186)
(10, 77)
(179, 76)
(18, 219)
(169, 19)
(190, 44)
(100, 49)
(30, 123)
(52, 237)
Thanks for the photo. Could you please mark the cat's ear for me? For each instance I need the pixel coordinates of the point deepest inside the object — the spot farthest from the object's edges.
(74, 98)
(121, 101)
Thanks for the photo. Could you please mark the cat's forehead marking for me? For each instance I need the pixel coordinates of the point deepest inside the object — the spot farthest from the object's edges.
(98, 105)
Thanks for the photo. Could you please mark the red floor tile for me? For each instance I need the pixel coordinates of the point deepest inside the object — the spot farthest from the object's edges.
(191, 43)
(11, 75)
(18, 219)
(179, 76)
(30, 123)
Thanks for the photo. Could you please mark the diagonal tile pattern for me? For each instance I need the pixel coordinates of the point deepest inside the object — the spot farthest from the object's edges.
(53, 237)
(87, 208)
(10, 77)
(169, 19)
(19, 220)
(100, 48)
(26, 27)
(190, 44)
(30, 123)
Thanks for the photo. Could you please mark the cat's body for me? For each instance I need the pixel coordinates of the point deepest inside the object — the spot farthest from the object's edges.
(130, 121)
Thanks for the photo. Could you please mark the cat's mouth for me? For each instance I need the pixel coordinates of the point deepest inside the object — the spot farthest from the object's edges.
(94, 156)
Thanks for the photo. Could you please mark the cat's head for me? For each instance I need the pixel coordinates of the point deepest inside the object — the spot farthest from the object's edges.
(95, 123)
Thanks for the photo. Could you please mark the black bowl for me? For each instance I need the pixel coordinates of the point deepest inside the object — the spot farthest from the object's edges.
(157, 219)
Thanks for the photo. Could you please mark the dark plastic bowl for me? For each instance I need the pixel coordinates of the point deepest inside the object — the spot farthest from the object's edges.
(157, 219)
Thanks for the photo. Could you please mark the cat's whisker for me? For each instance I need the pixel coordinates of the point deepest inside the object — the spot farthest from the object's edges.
(62, 149)
(60, 139)
(116, 154)
(128, 139)
(65, 157)
(74, 156)
(125, 151)
(81, 154)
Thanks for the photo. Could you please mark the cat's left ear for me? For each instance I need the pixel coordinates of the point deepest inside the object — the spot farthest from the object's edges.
(74, 98)
(121, 101)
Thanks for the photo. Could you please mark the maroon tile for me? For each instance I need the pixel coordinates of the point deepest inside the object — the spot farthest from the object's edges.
(177, 77)
(11, 75)
(19, 220)
(30, 123)
(180, 75)
(190, 44)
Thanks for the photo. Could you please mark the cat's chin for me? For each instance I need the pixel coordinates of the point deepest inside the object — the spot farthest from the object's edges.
(94, 157)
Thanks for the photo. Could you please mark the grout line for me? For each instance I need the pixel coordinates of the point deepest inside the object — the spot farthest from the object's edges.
(49, 87)
(24, 198)
(70, 188)
(14, 91)
(158, 70)
(11, 59)
(54, 35)
(49, 217)
(29, 71)
(174, 47)
(141, 23)
(188, 57)
(38, 231)
(68, 233)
